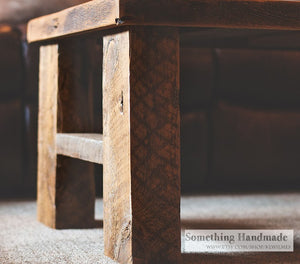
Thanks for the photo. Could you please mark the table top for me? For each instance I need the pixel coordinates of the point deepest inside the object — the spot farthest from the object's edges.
(103, 14)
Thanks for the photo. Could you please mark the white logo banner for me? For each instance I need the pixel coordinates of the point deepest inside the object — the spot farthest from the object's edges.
(244, 240)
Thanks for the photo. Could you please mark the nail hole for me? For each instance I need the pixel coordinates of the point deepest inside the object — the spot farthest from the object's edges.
(55, 23)
(121, 103)
(119, 21)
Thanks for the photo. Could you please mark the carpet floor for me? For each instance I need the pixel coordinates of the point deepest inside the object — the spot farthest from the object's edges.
(24, 240)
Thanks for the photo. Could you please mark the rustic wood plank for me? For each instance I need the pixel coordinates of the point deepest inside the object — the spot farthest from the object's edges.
(81, 146)
(66, 191)
(100, 14)
(258, 14)
(48, 87)
(142, 146)
(75, 189)
(87, 16)
(117, 222)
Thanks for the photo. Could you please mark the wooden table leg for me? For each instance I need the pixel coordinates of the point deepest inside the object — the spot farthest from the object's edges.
(48, 88)
(66, 192)
(142, 145)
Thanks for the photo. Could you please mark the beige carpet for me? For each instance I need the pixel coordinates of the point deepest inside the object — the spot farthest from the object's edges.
(24, 240)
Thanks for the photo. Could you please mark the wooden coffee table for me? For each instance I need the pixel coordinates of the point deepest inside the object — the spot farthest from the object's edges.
(140, 145)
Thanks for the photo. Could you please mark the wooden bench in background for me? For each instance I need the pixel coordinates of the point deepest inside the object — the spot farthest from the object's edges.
(140, 145)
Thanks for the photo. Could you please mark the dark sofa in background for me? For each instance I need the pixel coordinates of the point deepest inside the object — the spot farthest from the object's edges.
(240, 111)
(18, 115)
(19, 94)
(240, 119)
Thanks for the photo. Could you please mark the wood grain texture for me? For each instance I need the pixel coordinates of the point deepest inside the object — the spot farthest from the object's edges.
(87, 16)
(261, 14)
(256, 14)
(155, 144)
(66, 191)
(75, 98)
(48, 88)
(117, 222)
(75, 196)
(81, 146)
(142, 146)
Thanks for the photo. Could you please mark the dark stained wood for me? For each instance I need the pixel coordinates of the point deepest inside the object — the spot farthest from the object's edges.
(264, 14)
(87, 16)
(155, 144)
(75, 194)
(100, 14)
(75, 114)
(75, 197)
(81, 146)
(142, 146)
(93, 70)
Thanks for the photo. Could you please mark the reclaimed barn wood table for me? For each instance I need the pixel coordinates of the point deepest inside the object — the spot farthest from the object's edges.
(140, 145)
